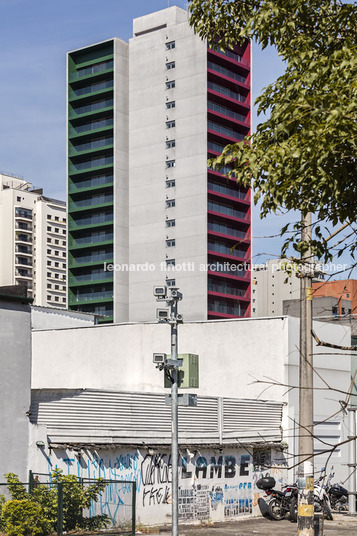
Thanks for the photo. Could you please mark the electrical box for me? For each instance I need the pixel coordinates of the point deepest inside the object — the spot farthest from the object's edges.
(188, 374)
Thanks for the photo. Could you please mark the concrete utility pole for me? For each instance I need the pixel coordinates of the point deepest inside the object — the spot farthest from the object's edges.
(171, 366)
(352, 461)
(306, 406)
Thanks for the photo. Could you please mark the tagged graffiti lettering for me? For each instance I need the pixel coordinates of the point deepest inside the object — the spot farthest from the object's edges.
(156, 469)
(154, 496)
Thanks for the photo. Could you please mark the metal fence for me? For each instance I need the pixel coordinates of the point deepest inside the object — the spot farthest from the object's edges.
(117, 501)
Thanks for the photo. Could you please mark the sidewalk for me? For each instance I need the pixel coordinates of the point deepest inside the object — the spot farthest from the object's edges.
(342, 525)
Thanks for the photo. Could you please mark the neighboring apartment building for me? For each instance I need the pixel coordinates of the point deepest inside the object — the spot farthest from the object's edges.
(143, 117)
(271, 285)
(32, 241)
(345, 289)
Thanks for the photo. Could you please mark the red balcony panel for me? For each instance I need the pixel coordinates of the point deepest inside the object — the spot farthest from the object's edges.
(243, 279)
(218, 78)
(229, 121)
(229, 296)
(222, 137)
(230, 237)
(230, 258)
(228, 197)
(245, 221)
(242, 67)
(221, 99)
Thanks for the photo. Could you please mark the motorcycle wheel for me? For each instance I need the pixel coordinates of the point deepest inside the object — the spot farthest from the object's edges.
(293, 510)
(275, 510)
(327, 512)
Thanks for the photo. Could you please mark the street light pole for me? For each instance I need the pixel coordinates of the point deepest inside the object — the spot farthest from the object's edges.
(306, 407)
(171, 366)
(174, 419)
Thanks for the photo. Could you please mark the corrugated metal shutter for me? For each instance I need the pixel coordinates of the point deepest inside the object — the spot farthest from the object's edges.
(90, 415)
(252, 419)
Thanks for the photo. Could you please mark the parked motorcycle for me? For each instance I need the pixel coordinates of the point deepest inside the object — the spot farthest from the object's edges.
(278, 502)
(338, 495)
(321, 500)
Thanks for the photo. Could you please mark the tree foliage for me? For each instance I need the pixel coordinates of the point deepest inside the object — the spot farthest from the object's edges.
(303, 155)
(36, 513)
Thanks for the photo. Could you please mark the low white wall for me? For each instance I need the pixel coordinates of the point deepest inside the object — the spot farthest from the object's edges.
(119, 357)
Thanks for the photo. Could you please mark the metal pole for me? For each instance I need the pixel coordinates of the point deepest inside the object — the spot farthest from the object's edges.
(59, 508)
(174, 419)
(352, 462)
(306, 411)
(133, 509)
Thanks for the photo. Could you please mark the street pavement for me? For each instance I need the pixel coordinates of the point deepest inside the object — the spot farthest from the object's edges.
(342, 525)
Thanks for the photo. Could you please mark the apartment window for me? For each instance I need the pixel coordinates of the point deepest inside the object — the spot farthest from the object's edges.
(170, 144)
(64, 220)
(170, 262)
(49, 216)
(63, 242)
(49, 228)
(170, 203)
(49, 252)
(64, 300)
(171, 282)
(170, 163)
(49, 240)
(48, 274)
(64, 265)
(170, 183)
(64, 231)
(56, 218)
(48, 263)
(170, 65)
(56, 276)
(56, 230)
(253, 309)
(49, 285)
(56, 298)
(63, 253)
(170, 45)
(56, 241)
(56, 253)
(171, 124)
(56, 264)
(48, 298)
(56, 287)
(170, 105)
(18, 199)
(170, 84)
(170, 223)
(171, 243)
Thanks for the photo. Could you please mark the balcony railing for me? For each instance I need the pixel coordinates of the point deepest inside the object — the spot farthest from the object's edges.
(225, 111)
(98, 86)
(90, 277)
(225, 91)
(225, 288)
(225, 229)
(219, 306)
(97, 105)
(94, 144)
(218, 247)
(90, 296)
(91, 220)
(94, 238)
(226, 190)
(93, 125)
(226, 210)
(93, 257)
(93, 162)
(97, 180)
(92, 69)
(226, 72)
(23, 213)
(216, 127)
(91, 201)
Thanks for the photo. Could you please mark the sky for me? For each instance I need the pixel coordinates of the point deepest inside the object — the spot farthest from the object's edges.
(35, 36)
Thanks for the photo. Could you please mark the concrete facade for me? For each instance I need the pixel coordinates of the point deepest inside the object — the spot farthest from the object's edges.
(33, 241)
(15, 385)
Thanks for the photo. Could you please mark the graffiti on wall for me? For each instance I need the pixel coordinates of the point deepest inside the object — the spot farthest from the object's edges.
(216, 485)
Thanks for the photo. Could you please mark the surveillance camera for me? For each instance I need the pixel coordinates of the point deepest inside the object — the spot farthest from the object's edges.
(179, 319)
(160, 291)
(176, 294)
(162, 314)
(159, 359)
